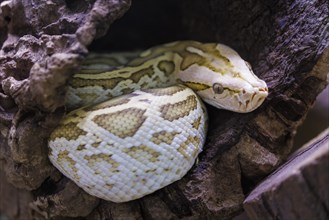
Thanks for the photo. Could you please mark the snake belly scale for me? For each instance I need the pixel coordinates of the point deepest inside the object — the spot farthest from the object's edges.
(153, 125)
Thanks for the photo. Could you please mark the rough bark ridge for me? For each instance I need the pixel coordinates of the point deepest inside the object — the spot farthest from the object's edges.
(42, 44)
(304, 177)
(41, 47)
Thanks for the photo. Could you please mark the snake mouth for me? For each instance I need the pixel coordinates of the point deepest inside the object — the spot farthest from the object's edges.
(241, 101)
(253, 100)
(265, 90)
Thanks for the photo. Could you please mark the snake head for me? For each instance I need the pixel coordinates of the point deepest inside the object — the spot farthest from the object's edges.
(236, 94)
(226, 82)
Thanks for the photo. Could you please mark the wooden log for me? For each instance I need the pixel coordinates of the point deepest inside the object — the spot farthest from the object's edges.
(296, 190)
(284, 41)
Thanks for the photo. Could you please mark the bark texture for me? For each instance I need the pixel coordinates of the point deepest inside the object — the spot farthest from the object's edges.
(42, 44)
(304, 178)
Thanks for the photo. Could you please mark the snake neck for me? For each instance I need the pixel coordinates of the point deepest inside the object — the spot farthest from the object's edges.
(156, 67)
(157, 72)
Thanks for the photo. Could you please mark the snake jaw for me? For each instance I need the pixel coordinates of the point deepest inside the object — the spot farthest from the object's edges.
(247, 100)
(237, 98)
(252, 100)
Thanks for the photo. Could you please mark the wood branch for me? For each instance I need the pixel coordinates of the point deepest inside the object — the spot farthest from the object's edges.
(298, 189)
(284, 41)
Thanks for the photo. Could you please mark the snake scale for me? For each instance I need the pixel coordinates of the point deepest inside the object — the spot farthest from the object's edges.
(140, 122)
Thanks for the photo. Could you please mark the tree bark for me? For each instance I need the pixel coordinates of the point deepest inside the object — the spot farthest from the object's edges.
(304, 178)
(43, 44)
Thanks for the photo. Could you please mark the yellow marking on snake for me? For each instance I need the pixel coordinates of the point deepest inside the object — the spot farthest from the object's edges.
(196, 86)
(121, 146)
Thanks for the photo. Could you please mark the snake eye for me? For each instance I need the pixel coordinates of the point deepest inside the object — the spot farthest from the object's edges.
(218, 88)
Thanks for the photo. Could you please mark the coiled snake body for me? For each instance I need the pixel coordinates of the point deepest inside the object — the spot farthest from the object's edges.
(153, 126)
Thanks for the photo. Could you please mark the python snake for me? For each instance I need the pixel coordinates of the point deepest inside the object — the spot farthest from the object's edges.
(142, 124)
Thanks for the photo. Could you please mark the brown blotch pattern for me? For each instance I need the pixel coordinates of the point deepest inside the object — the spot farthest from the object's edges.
(69, 131)
(178, 171)
(127, 91)
(106, 84)
(124, 123)
(136, 76)
(63, 157)
(86, 96)
(111, 82)
(145, 84)
(164, 137)
(189, 57)
(195, 141)
(138, 153)
(109, 104)
(81, 147)
(98, 158)
(85, 70)
(96, 144)
(167, 67)
(196, 123)
(180, 109)
(77, 114)
(165, 91)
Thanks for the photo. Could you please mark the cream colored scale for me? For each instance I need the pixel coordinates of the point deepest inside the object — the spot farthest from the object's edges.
(132, 145)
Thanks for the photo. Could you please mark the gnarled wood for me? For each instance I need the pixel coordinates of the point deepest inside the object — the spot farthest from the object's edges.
(298, 189)
(43, 44)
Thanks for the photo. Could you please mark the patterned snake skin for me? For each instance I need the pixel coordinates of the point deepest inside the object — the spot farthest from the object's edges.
(143, 123)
